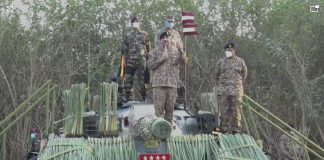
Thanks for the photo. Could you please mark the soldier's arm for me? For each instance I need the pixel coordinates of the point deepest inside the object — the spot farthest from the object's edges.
(244, 71)
(147, 45)
(180, 43)
(124, 47)
(218, 65)
(154, 60)
(183, 57)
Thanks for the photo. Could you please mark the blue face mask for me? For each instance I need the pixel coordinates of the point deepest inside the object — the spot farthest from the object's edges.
(169, 24)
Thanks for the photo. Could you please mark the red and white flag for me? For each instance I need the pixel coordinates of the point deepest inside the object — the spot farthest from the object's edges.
(188, 24)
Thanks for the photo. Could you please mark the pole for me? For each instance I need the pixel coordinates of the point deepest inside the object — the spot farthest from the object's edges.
(185, 72)
(89, 69)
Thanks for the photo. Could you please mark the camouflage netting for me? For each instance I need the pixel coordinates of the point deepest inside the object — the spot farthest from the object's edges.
(153, 127)
(117, 148)
(209, 147)
(183, 147)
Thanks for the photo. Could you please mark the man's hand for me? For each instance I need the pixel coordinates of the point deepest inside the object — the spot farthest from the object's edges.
(178, 45)
(165, 51)
(179, 48)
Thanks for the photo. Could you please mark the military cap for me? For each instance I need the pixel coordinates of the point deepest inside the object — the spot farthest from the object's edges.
(229, 45)
(135, 18)
(164, 34)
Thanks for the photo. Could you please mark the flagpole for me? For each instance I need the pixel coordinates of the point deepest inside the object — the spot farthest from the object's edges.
(185, 71)
(188, 29)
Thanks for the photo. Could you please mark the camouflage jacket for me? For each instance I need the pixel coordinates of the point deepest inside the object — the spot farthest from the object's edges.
(175, 38)
(230, 75)
(136, 44)
(165, 66)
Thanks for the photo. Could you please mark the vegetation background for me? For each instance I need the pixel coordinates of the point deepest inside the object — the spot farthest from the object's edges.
(74, 41)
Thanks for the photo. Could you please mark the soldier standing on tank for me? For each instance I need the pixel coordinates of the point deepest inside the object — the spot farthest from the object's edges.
(135, 48)
(175, 38)
(231, 73)
(176, 42)
(164, 63)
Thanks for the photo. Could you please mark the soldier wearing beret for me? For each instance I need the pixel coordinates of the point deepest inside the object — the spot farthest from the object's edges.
(231, 73)
(175, 38)
(135, 48)
(164, 61)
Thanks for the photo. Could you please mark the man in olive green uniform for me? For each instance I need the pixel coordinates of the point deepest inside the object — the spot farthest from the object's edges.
(164, 63)
(231, 73)
(135, 48)
(175, 37)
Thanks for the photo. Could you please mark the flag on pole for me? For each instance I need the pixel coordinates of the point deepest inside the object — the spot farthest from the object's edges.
(187, 17)
(188, 24)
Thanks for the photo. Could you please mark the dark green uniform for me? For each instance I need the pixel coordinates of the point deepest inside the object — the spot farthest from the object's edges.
(135, 48)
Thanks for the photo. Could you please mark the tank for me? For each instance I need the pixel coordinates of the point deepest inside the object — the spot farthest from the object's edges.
(133, 113)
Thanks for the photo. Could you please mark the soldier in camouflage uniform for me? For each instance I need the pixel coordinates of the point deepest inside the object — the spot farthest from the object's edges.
(164, 63)
(174, 37)
(287, 147)
(175, 41)
(231, 73)
(135, 48)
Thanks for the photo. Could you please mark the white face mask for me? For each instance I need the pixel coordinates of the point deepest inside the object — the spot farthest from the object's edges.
(33, 136)
(228, 54)
(135, 25)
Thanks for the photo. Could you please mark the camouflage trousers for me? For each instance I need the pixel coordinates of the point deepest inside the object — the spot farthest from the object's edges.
(164, 99)
(230, 112)
(134, 66)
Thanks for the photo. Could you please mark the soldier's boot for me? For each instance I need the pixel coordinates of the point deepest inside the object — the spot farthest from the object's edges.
(128, 96)
(236, 126)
